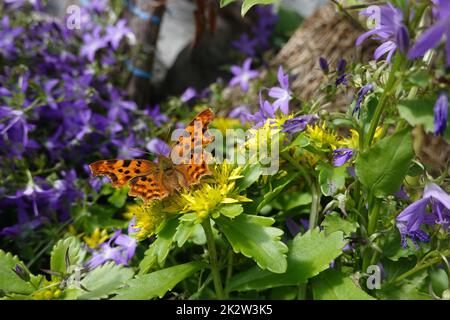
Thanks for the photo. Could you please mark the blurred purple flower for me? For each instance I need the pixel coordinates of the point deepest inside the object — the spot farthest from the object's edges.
(120, 248)
(266, 111)
(127, 147)
(92, 42)
(158, 147)
(441, 114)
(266, 17)
(242, 75)
(8, 36)
(390, 24)
(245, 45)
(282, 93)
(341, 156)
(115, 33)
(410, 220)
(299, 123)
(242, 112)
(157, 117)
(119, 108)
(188, 94)
(433, 35)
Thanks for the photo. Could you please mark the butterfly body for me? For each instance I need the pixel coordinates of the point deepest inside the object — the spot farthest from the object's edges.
(151, 181)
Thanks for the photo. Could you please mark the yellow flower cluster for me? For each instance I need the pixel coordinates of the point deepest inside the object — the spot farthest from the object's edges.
(50, 291)
(148, 218)
(220, 190)
(214, 191)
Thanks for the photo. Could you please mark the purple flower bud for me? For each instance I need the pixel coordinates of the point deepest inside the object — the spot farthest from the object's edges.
(440, 114)
(402, 39)
(361, 94)
(21, 272)
(324, 65)
(341, 67)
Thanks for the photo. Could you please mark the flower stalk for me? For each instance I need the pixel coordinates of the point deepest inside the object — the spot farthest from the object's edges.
(206, 224)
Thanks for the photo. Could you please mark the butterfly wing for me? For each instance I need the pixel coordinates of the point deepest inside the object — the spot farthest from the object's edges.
(149, 187)
(194, 166)
(122, 171)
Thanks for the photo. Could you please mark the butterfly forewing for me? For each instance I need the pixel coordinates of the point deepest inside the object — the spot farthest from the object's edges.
(122, 171)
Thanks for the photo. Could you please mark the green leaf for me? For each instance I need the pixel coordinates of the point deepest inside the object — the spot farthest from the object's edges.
(231, 210)
(156, 284)
(382, 168)
(421, 112)
(271, 195)
(159, 249)
(331, 179)
(76, 254)
(418, 112)
(334, 285)
(288, 201)
(10, 282)
(184, 231)
(251, 174)
(224, 3)
(248, 4)
(254, 237)
(104, 280)
(439, 280)
(300, 141)
(119, 197)
(308, 255)
(333, 222)
(412, 288)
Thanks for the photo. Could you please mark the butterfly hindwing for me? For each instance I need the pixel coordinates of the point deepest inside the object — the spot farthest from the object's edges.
(148, 188)
(122, 171)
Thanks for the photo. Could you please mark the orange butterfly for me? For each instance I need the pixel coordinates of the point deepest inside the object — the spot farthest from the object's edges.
(151, 181)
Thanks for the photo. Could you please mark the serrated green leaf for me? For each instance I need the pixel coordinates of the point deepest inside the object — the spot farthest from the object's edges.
(156, 284)
(10, 282)
(394, 153)
(331, 179)
(159, 249)
(308, 255)
(248, 4)
(333, 222)
(334, 285)
(58, 256)
(104, 280)
(254, 237)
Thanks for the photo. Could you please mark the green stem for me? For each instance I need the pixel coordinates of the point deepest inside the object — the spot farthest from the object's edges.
(314, 214)
(384, 98)
(229, 271)
(374, 206)
(315, 192)
(213, 259)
